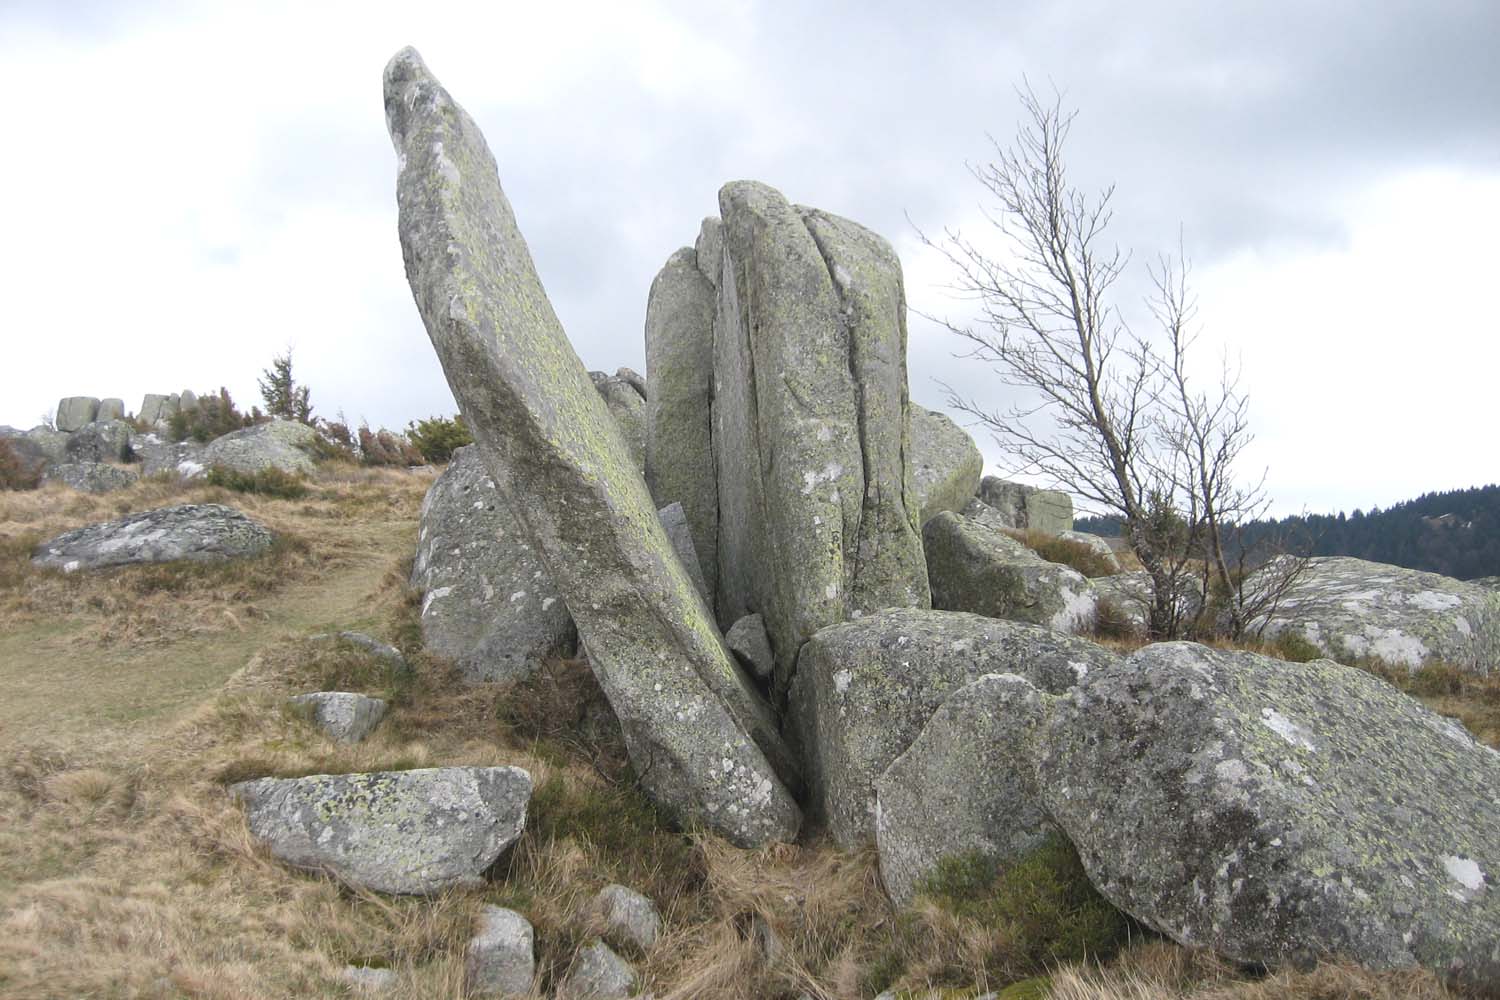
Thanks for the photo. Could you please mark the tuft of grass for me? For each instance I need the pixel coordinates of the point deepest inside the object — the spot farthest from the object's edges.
(1066, 551)
(270, 482)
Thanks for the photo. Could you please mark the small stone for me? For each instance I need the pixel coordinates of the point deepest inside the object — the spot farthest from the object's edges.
(500, 960)
(748, 641)
(597, 974)
(365, 979)
(629, 917)
(344, 716)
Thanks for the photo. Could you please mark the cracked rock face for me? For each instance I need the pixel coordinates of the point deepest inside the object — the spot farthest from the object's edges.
(488, 602)
(696, 732)
(976, 567)
(1353, 608)
(1289, 809)
(865, 689)
(207, 532)
(409, 832)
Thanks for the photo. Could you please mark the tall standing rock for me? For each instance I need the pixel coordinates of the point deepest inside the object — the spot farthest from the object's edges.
(818, 522)
(679, 395)
(689, 717)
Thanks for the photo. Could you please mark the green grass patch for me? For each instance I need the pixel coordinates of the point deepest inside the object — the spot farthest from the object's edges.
(269, 482)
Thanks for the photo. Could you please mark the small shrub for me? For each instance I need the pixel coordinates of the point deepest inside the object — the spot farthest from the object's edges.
(214, 416)
(1293, 647)
(270, 482)
(437, 438)
(17, 472)
(383, 447)
(1111, 621)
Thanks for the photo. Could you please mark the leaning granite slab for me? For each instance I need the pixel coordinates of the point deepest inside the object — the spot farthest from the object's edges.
(408, 832)
(91, 477)
(1276, 812)
(275, 444)
(343, 716)
(966, 785)
(817, 512)
(865, 689)
(945, 462)
(488, 602)
(978, 568)
(695, 730)
(1353, 608)
(679, 401)
(674, 522)
(1027, 508)
(207, 532)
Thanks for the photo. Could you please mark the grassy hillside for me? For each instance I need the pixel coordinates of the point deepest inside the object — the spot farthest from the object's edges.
(132, 698)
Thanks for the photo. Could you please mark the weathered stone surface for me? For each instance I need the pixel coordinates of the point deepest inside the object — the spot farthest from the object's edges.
(680, 534)
(1026, 507)
(708, 249)
(91, 477)
(1096, 543)
(967, 784)
(344, 716)
(75, 411)
(500, 960)
(276, 444)
(679, 402)
(489, 604)
(52, 445)
(597, 974)
(632, 378)
(945, 463)
(1351, 608)
(100, 441)
(690, 719)
(180, 458)
(412, 832)
(865, 689)
(628, 407)
(111, 409)
(818, 517)
(157, 408)
(1275, 812)
(630, 919)
(747, 639)
(978, 568)
(187, 400)
(207, 532)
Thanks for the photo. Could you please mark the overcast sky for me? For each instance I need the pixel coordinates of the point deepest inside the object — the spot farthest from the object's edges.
(193, 187)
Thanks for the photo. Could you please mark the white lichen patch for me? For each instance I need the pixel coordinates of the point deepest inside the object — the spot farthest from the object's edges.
(1080, 670)
(1286, 729)
(1077, 611)
(1465, 871)
(434, 595)
(1431, 600)
(841, 679)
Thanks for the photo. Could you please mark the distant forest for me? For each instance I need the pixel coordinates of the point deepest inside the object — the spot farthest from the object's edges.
(1455, 533)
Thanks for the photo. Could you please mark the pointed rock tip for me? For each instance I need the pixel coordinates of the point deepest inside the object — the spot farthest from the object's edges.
(405, 66)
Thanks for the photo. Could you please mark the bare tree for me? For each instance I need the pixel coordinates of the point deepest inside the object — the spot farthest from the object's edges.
(1107, 413)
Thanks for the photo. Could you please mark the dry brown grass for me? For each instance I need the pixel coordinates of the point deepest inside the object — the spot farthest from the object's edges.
(126, 871)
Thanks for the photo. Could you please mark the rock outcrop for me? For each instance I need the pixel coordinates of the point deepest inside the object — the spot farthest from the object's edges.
(865, 689)
(692, 722)
(978, 568)
(488, 603)
(276, 444)
(158, 408)
(91, 477)
(197, 532)
(628, 407)
(945, 463)
(679, 400)
(1026, 508)
(157, 457)
(74, 412)
(410, 832)
(100, 441)
(1289, 810)
(966, 785)
(1352, 608)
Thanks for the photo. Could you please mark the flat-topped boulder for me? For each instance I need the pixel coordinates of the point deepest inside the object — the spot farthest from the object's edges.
(411, 832)
(977, 567)
(1279, 812)
(1028, 508)
(91, 477)
(1351, 608)
(275, 444)
(207, 532)
(945, 463)
(693, 724)
(74, 412)
(488, 602)
(865, 689)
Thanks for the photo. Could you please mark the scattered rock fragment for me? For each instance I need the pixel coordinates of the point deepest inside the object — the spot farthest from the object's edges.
(344, 716)
(597, 974)
(747, 639)
(630, 919)
(500, 960)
